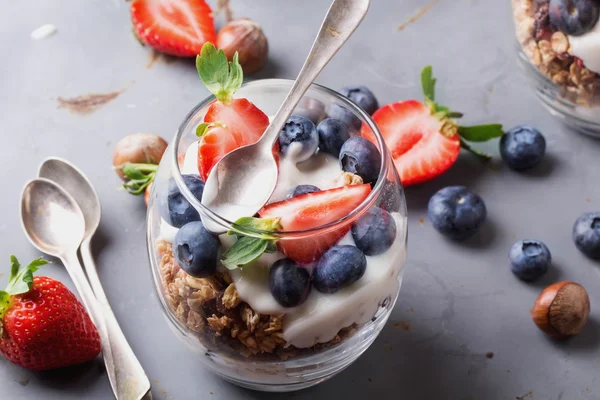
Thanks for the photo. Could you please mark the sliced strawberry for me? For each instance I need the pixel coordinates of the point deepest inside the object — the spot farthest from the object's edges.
(413, 135)
(313, 210)
(216, 142)
(423, 138)
(245, 121)
(175, 27)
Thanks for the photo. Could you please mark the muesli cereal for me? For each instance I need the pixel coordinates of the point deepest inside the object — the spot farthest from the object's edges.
(212, 307)
(551, 41)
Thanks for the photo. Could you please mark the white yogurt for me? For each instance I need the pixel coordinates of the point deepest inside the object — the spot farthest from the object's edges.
(321, 316)
(587, 47)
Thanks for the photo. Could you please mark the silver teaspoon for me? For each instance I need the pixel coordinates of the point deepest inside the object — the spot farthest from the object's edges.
(242, 181)
(55, 225)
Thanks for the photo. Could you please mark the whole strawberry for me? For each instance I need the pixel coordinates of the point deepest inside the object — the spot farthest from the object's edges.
(42, 324)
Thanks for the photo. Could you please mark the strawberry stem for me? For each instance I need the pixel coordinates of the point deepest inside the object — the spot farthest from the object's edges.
(478, 133)
(139, 177)
(19, 282)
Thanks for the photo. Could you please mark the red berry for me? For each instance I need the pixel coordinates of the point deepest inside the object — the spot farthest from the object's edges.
(313, 210)
(47, 328)
(237, 124)
(420, 150)
(175, 27)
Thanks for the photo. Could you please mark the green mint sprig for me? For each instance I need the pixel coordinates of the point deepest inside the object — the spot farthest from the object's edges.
(139, 176)
(250, 245)
(19, 282)
(220, 76)
(477, 133)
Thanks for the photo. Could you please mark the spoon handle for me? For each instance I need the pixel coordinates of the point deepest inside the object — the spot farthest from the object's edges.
(130, 381)
(123, 378)
(342, 19)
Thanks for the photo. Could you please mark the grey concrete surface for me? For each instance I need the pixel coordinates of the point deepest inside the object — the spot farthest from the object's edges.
(459, 303)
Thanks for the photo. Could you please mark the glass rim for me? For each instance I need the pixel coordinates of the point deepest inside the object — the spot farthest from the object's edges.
(230, 225)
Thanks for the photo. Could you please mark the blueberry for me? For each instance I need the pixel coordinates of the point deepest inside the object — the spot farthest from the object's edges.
(178, 210)
(341, 113)
(310, 108)
(522, 147)
(289, 283)
(456, 212)
(586, 234)
(529, 259)
(302, 189)
(302, 132)
(574, 17)
(332, 135)
(339, 267)
(391, 196)
(374, 232)
(362, 96)
(361, 157)
(196, 250)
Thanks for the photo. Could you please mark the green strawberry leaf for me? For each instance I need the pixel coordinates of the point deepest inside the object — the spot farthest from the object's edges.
(252, 240)
(15, 266)
(480, 133)
(221, 77)
(428, 83)
(22, 281)
(139, 177)
(249, 226)
(4, 306)
(201, 129)
(478, 153)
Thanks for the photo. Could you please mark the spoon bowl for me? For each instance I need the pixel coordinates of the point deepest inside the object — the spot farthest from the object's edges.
(70, 178)
(51, 218)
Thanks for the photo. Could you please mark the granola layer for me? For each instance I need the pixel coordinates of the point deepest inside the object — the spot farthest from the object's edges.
(211, 308)
(548, 50)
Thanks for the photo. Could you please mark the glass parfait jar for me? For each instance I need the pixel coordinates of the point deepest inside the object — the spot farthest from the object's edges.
(230, 317)
(563, 69)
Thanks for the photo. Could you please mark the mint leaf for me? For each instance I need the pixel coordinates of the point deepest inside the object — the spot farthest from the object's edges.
(244, 251)
(221, 77)
(253, 239)
(428, 83)
(23, 279)
(480, 133)
(478, 153)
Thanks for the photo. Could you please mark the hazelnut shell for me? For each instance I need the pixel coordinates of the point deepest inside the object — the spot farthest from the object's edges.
(144, 148)
(248, 39)
(562, 309)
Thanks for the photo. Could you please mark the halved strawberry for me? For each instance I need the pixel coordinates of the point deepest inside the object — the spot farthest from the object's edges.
(243, 119)
(215, 143)
(311, 211)
(413, 135)
(176, 27)
(233, 122)
(423, 139)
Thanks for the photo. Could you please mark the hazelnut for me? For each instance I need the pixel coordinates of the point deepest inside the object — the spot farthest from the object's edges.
(562, 309)
(248, 39)
(138, 148)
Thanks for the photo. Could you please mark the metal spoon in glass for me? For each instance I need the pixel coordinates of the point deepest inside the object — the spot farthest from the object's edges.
(55, 225)
(242, 181)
